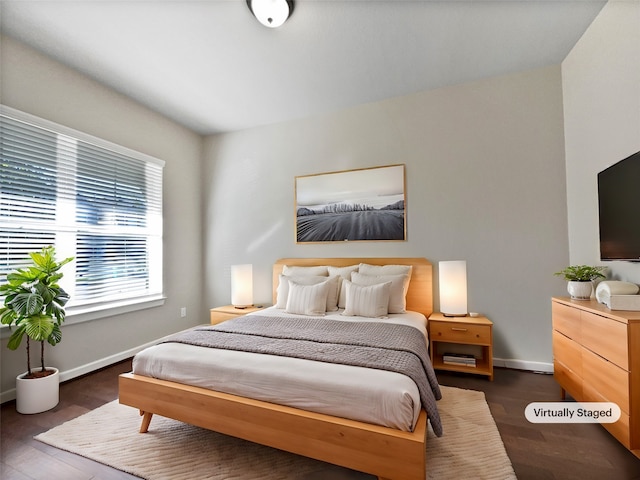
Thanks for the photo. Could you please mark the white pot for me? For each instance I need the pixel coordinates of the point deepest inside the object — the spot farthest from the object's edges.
(35, 395)
(580, 290)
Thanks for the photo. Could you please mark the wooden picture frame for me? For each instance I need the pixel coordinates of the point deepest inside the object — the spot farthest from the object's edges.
(366, 204)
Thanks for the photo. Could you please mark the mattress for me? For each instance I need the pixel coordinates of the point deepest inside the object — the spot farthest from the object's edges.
(367, 395)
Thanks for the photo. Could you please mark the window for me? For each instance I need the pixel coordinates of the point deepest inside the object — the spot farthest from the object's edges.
(93, 200)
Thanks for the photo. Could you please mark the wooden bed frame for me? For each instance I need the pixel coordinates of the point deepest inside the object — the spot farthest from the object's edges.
(382, 451)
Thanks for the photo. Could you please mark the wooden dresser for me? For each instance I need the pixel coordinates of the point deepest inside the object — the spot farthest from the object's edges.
(597, 359)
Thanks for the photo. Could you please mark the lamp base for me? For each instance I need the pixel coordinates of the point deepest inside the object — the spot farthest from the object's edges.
(242, 307)
(455, 314)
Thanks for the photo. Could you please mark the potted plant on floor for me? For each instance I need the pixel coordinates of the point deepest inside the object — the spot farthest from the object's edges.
(580, 278)
(34, 308)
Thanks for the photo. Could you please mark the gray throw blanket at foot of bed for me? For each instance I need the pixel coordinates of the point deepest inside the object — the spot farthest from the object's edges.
(384, 346)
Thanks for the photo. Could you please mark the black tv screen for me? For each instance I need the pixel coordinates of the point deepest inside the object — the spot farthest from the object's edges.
(619, 210)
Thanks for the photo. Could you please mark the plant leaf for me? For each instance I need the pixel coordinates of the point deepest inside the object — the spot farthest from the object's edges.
(16, 338)
(27, 304)
(39, 327)
(56, 335)
(7, 316)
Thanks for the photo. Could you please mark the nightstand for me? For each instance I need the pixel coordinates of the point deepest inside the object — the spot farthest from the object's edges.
(448, 334)
(220, 314)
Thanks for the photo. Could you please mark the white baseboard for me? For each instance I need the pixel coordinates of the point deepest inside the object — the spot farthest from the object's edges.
(87, 368)
(538, 367)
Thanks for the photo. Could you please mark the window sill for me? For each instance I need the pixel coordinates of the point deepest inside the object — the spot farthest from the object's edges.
(82, 314)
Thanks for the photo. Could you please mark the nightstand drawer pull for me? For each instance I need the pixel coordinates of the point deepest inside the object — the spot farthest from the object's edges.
(457, 329)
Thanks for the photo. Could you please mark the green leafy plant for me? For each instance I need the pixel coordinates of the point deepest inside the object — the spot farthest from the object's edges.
(34, 304)
(581, 273)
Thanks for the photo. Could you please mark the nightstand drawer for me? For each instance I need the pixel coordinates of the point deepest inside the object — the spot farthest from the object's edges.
(460, 333)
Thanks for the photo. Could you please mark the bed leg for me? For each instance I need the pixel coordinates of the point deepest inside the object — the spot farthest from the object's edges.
(146, 420)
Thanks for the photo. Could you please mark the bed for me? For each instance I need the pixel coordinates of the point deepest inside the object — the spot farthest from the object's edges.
(387, 452)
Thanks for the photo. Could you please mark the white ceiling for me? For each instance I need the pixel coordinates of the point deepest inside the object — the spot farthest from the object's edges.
(209, 64)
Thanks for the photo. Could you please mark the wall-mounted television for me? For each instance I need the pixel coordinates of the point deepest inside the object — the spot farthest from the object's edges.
(619, 210)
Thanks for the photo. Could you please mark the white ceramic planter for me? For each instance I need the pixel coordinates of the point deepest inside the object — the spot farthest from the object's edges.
(35, 395)
(580, 290)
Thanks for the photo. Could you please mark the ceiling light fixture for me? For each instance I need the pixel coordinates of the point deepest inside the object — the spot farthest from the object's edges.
(271, 13)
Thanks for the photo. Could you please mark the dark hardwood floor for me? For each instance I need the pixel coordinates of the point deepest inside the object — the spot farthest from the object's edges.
(537, 451)
(547, 451)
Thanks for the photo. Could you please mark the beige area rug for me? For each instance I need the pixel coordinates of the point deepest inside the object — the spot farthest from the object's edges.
(470, 448)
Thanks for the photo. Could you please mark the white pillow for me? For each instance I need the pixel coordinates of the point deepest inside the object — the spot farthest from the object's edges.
(367, 269)
(398, 293)
(282, 293)
(290, 270)
(367, 301)
(342, 273)
(307, 299)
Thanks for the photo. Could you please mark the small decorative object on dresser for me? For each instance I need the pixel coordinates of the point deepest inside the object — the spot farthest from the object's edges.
(449, 335)
(619, 295)
(580, 278)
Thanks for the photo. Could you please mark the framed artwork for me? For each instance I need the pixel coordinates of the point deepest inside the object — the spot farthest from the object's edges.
(351, 205)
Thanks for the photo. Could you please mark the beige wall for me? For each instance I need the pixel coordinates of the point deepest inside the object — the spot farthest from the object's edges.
(601, 84)
(39, 86)
(485, 183)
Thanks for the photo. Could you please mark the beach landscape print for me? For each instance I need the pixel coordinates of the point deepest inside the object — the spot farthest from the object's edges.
(351, 205)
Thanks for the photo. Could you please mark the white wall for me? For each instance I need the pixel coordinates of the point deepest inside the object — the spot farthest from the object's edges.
(39, 86)
(485, 183)
(601, 85)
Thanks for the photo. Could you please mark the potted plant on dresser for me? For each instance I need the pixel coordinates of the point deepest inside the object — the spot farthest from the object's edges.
(34, 308)
(580, 278)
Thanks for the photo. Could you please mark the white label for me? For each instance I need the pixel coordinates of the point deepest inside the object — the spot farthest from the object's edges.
(572, 412)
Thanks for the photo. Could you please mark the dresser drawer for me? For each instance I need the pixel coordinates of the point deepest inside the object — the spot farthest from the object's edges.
(606, 337)
(620, 429)
(568, 379)
(460, 333)
(567, 352)
(567, 320)
(607, 379)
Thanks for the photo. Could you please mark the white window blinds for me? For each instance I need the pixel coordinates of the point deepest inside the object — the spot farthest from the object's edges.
(93, 200)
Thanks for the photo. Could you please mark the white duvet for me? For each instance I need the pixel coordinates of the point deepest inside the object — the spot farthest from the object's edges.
(368, 395)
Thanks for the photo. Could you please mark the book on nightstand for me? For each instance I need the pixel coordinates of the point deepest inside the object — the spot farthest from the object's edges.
(459, 359)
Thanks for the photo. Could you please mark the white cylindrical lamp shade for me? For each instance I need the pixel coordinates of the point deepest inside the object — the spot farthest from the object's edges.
(453, 287)
(242, 285)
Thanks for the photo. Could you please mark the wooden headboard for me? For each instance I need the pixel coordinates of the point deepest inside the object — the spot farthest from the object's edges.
(419, 295)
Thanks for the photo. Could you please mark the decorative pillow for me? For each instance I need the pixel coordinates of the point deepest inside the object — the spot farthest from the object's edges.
(367, 301)
(307, 299)
(367, 269)
(398, 293)
(291, 270)
(282, 293)
(343, 273)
